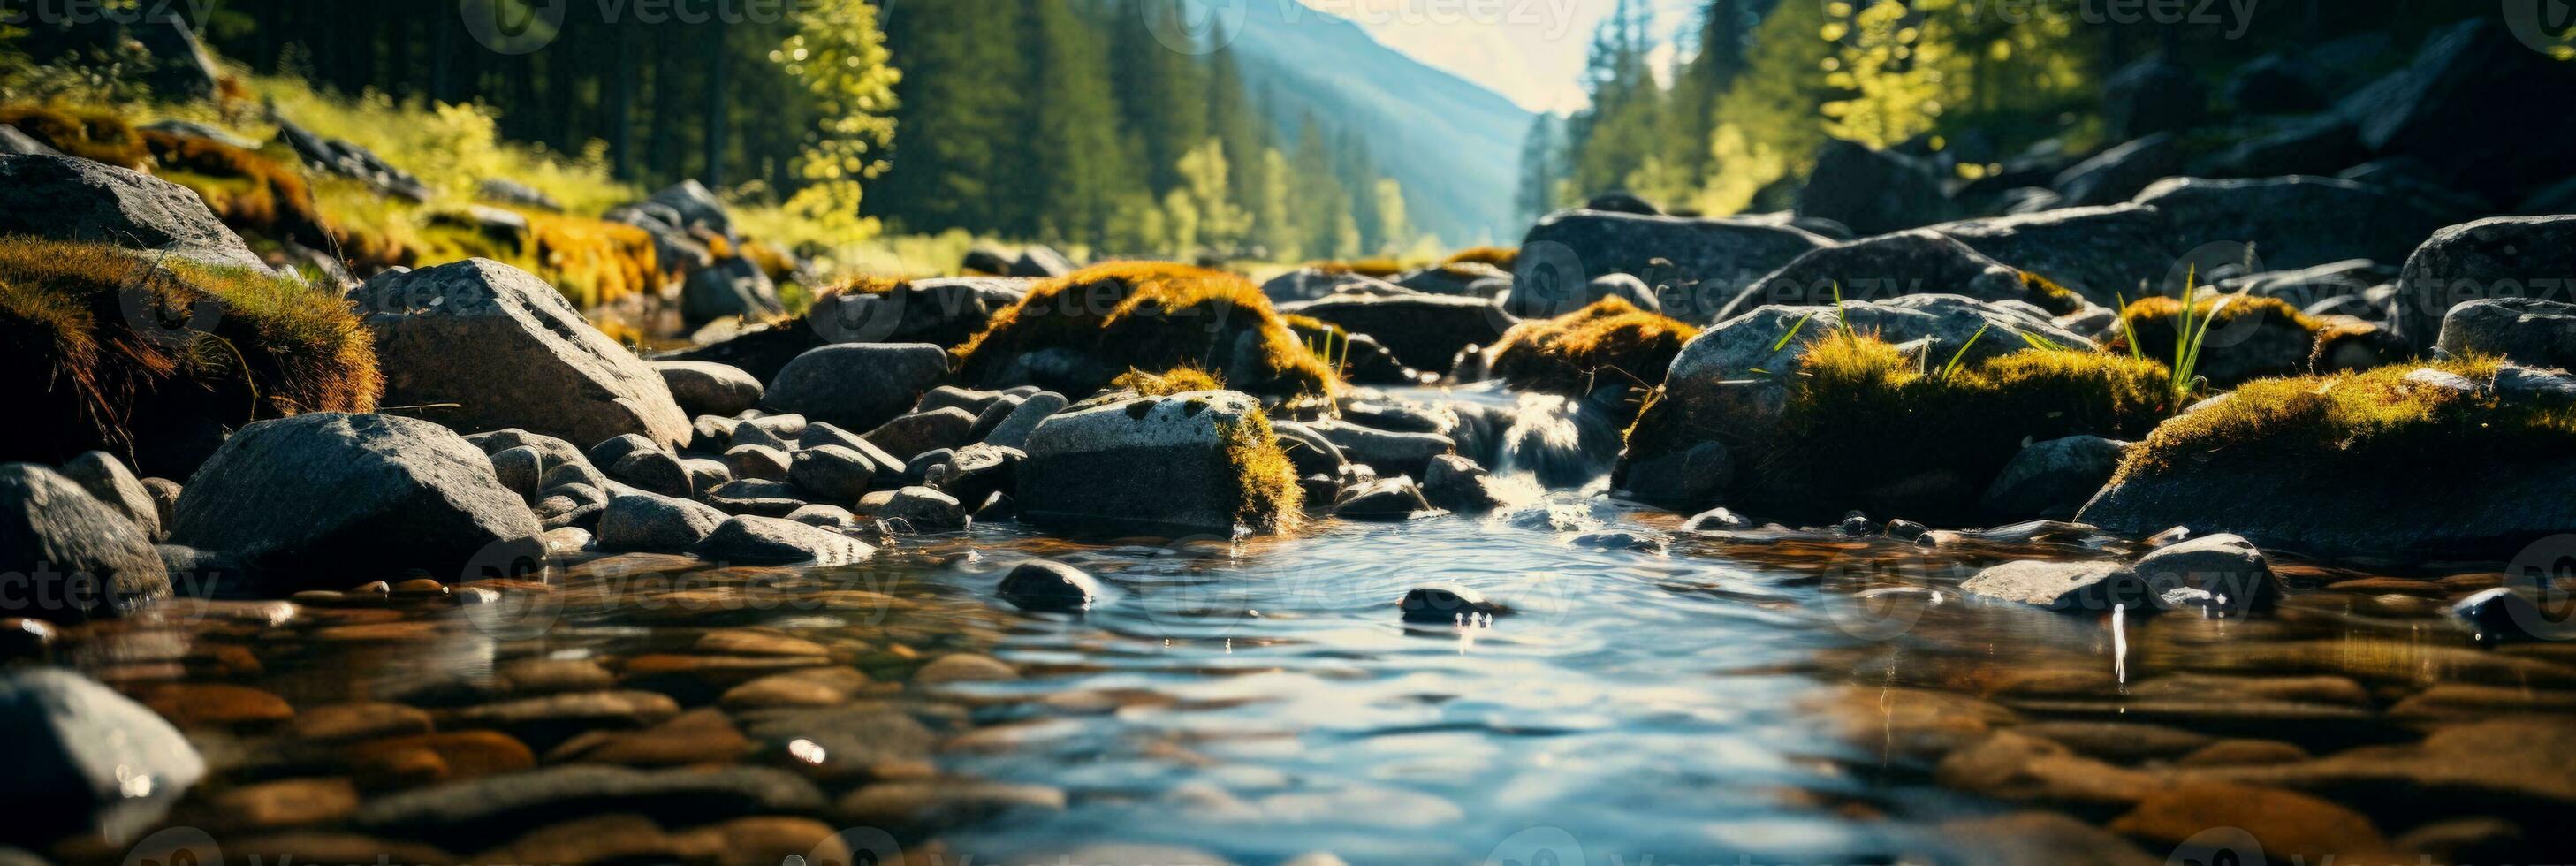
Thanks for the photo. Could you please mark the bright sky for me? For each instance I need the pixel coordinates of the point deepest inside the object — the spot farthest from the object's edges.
(1530, 51)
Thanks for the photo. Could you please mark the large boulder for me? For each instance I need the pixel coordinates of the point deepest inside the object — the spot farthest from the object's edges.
(1312, 284)
(2460, 107)
(77, 558)
(2292, 222)
(945, 312)
(1695, 265)
(2502, 257)
(1425, 332)
(479, 345)
(1202, 461)
(2116, 175)
(84, 759)
(856, 386)
(323, 501)
(1874, 191)
(2106, 254)
(2526, 331)
(68, 199)
(1896, 266)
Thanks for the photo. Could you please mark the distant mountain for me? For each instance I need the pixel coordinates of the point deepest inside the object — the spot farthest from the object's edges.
(1454, 145)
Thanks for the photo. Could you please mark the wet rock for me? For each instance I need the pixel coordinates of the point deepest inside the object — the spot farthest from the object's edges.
(79, 558)
(697, 737)
(859, 742)
(304, 501)
(1047, 586)
(2226, 566)
(85, 759)
(358, 721)
(1177, 461)
(534, 362)
(69, 199)
(497, 807)
(2118, 741)
(2019, 768)
(1447, 604)
(773, 541)
(923, 508)
(2052, 480)
(856, 386)
(832, 472)
(709, 388)
(924, 431)
(963, 668)
(2106, 254)
(2292, 222)
(2066, 587)
(2243, 753)
(1454, 483)
(812, 688)
(1699, 262)
(1386, 451)
(648, 523)
(1874, 192)
(2287, 825)
(1394, 498)
(1891, 267)
(1014, 430)
(2508, 615)
(2039, 839)
(287, 803)
(1426, 332)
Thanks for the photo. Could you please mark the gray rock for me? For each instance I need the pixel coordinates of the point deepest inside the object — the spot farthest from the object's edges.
(2455, 108)
(1311, 284)
(520, 469)
(499, 807)
(1893, 266)
(706, 473)
(84, 759)
(833, 472)
(922, 432)
(655, 472)
(946, 312)
(2527, 386)
(15, 143)
(757, 497)
(615, 451)
(2317, 144)
(1396, 498)
(1874, 191)
(856, 386)
(1446, 604)
(757, 462)
(1388, 452)
(106, 478)
(1533, 305)
(2066, 587)
(2275, 84)
(973, 402)
(1050, 587)
(1693, 476)
(68, 199)
(774, 541)
(2509, 261)
(2292, 222)
(1454, 483)
(508, 350)
(319, 501)
(736, 288)
(1425, 332)
(78, 558)
(696, 207)
(2305, 287)
(1562, 442)
(647, 523)
(709, 388)
(571, 505)
(2227, 567)
(2052, 480)
(976, 472)
(2121, 172)
(752, 435)
(1014, 430)
(165, 498)
(922, 507)
(1165, 462)
(1695, 265)
(2107, 254)
(832, 517)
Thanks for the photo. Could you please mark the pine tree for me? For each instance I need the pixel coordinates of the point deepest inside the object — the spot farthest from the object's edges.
(1542, 167)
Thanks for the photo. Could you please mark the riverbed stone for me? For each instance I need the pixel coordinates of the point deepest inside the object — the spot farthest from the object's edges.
(1049, 586)
(494, 347)
(2226, 566)
(856, 386)
(1396, 498)
(501, 806)
(316, 500)
(774, 541)
(1446, 604)
(81, 558)
(1694, 264)
(85, 759)
(651, 523)
(1169, 462)
(709, 388)
(2089, 588)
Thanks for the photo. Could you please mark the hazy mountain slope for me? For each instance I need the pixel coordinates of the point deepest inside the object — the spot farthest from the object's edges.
(1454, 145)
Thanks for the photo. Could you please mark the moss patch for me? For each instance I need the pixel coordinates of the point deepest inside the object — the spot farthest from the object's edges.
(1380, 268)
(1144, 316)
(91, 135)
(1611, 342)
(253, 193)
(154, 358)
(2370, 422)
(2250, 337)
(1500, 257)
(1269, 499)
(1179, 380)
(1868, 428)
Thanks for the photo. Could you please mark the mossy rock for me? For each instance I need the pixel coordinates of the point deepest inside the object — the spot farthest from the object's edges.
(2248, 337)
(2411, 462)
(251, 192)
(1610, 344)
(1867, 426)
(1077, 334)
(1180, 463)
(92, 135)
(156, 358)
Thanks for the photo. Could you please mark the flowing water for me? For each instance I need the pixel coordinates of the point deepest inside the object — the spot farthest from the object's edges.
(1764, 697)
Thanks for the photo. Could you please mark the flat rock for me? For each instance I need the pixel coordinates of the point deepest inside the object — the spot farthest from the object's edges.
(772, 541)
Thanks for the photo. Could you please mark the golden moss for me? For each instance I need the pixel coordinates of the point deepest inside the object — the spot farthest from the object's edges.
(1268, 496)
(91, 135)
(2277, 341)
(2368, 422)
(1611, 342)
(773, 261)
(2050, 296)
(1867, 427)
(1499, 257)
(1178, 380)
(254, 194)
(154, 358)
(1145, 316)
(1381, 268)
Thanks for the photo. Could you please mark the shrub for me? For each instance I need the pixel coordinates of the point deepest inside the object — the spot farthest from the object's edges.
(1108, 319)
(1611, 342)
(156, 358)
(1868, 427)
